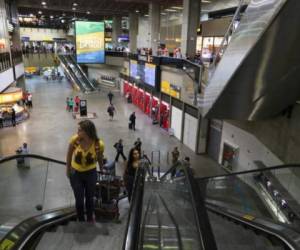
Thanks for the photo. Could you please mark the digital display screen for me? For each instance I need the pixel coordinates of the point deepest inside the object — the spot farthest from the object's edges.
(150, 72)
(90, 42)
(145, 73)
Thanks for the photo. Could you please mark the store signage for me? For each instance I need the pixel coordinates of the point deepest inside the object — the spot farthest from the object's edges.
(11, 97)
(90, 42)
(170, 89)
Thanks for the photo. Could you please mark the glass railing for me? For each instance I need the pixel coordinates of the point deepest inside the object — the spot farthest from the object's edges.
(5, 62)
(31, 185)
(271, 193)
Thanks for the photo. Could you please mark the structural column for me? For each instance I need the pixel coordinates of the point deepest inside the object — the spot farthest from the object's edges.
(154, 21)
(190, 23)
(133, 31)
(116, 29)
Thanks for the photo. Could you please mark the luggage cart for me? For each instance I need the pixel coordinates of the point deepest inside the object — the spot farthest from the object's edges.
(109, 191)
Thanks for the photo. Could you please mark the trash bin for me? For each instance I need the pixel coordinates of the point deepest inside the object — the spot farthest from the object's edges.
(20, 161)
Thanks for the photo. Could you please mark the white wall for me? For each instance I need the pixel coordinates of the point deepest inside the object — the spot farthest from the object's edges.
(143, 37)
(250, 148)
(41, 34)
(176, 122)
(190, 131)
(19, 70)
(6, 78)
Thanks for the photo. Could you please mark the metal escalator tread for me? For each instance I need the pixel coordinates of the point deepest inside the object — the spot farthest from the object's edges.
(231, 236)
(76, 236)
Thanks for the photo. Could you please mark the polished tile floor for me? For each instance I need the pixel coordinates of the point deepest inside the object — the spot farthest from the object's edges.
(47, 133)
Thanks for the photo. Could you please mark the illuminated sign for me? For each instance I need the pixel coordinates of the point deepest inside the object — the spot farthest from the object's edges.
(90, 42)
(170, 89)
(11, 97)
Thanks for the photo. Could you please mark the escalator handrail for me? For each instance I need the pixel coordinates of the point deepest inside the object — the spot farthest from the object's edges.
(205, 234)
(132, 233)
(19, 236)
(284, 233)
(82, 73)
(285, 166)
(71, 74)
(66, 63)
(35, 156)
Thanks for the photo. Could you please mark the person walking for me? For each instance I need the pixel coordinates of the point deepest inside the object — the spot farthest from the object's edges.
(1, 119)
(13, 117)
(110, 96)
(85, 150)
(132, 119)
(111, 112)
(71, 104)
(29, 100)
(120, 150)
(67, 104)
(138, 145)
(175, 158)
(130, 171)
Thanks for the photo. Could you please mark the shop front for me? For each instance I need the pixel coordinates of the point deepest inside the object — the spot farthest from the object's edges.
(9, 100)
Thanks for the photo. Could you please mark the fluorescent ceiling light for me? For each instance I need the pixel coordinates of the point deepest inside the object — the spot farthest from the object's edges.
(206, 1)
(146, 15)
(44, 3)
(40, 12)
(170, 10)
(75, 4)
(51, 17)
(163, 13)
(137, 11)
(177, 7)
(88, 12)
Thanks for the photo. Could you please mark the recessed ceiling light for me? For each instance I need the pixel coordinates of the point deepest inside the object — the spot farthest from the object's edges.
(137, 11)
(63, 14)
(163, 13)
(62, 21)
(40, 12)
(146, 15)
(31, 15)
(75, 4)
(44, 3)
(73, 8)
(51, 17)
(88, 12)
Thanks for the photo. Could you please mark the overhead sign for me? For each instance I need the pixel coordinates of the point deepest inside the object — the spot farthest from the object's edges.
(90, 42)
(170, 89)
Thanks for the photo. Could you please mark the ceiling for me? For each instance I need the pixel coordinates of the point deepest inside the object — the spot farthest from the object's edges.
(105, 8)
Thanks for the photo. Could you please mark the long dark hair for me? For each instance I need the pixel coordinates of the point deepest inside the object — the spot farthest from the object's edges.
(130, 156)
(89, 128)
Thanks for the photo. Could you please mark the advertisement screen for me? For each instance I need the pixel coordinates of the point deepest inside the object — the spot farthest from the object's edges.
(145, 73)
(150, 72)
(133, 69)
(90, 42)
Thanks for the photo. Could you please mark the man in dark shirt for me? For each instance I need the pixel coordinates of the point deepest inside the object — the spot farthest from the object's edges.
(132, 120)
(110, 97)
(13, 117)
(138, 145)
(119, 147)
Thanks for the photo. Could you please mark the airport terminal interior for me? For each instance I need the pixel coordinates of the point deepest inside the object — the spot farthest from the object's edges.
(149, 124)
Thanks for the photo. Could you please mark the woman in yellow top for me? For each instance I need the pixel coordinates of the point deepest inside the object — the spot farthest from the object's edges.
(85, 150)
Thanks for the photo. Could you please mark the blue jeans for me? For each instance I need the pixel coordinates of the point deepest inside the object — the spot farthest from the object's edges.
(84, 185)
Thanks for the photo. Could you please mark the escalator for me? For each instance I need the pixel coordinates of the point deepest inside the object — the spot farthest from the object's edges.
(179, 212)
(75, 74)
(258, 74)
(167, 213)
(72, 60)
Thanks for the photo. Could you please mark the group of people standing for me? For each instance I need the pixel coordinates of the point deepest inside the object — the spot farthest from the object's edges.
(72, 104)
